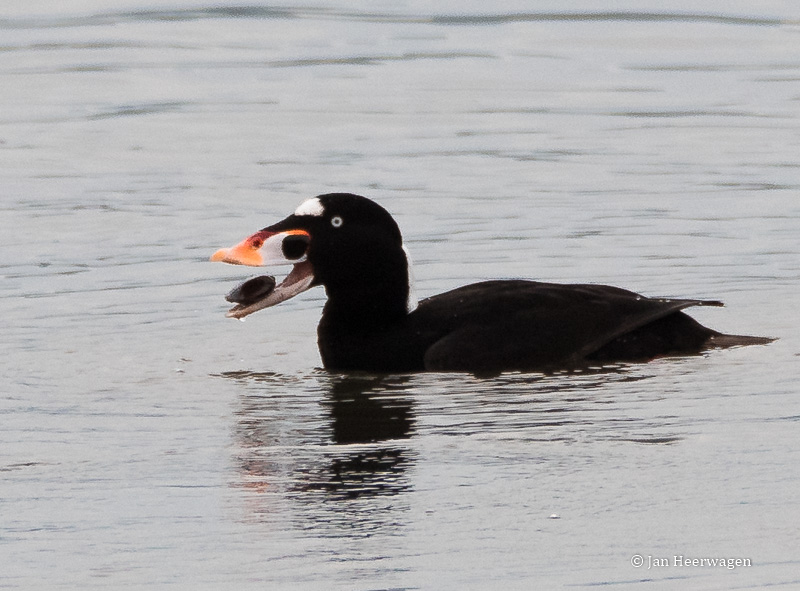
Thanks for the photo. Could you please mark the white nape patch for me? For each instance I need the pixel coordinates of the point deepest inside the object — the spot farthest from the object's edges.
(312, 207)
(411, 302)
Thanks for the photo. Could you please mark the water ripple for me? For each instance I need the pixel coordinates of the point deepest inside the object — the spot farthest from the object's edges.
(293, 13)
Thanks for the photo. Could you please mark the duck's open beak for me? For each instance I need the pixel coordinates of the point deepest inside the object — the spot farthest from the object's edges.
(268, 248)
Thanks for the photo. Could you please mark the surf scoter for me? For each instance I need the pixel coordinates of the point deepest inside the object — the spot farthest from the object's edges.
(372, 321)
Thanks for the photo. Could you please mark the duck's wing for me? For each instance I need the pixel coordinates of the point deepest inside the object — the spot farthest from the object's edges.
(525, 325)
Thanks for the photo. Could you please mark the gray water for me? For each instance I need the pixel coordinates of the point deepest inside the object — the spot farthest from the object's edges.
(149, 442)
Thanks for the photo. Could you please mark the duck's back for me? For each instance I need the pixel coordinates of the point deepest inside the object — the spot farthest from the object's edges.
(524, 325)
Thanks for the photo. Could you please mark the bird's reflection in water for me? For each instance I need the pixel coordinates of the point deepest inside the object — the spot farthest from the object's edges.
(366, 410)
(335, 452)
(321, 440)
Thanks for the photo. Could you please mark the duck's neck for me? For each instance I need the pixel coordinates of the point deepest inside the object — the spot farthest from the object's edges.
(366, 306)
(379, 291)
(376, 297)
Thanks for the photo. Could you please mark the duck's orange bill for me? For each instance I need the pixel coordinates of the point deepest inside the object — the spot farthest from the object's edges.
(244, 253)
(248, 251)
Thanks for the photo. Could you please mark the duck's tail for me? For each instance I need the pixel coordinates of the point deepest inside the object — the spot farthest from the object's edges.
(723, 341)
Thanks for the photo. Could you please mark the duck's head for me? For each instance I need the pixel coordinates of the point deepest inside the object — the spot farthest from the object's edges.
(347, 243)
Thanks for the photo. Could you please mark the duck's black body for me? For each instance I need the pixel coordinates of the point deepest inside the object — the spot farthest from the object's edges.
(516, 325)
(370, 322)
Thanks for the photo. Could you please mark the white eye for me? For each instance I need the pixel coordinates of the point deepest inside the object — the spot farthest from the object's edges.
(336, 221)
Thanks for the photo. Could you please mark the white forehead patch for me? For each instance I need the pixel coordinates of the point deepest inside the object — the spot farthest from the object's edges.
(310, 207)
